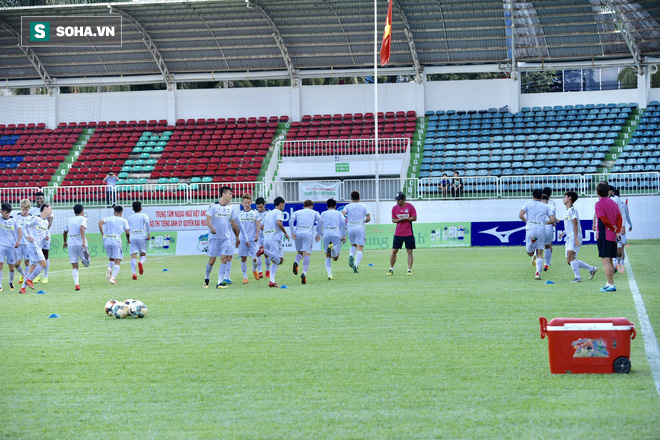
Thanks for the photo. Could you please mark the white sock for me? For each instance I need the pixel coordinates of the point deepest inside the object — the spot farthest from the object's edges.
(328, 266)
(358, 258)
(576, 268)
(75, 276)
(11, 277)
(221, 272)
(20, 270)
(209, 268)
(143, 258)
(273, 271)
(268, 263)
(548, 256)
(306, 263)
(298, 258)
(539, 264)
(47, 269)
(244, 269)
(37, 270)
(111, 264)
(615, 261)
(115, 270)
(228, 271)
(254, 264)
(584, 265)
(352, 251)
(133, 265)
(259, 265)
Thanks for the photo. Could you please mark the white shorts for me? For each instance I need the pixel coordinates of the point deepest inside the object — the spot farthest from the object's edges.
(35, 254)
(336, 245)
(137, 246)
(623, 241)
(304, 243)
(114, 251)
(7, 254)
(251, 251)
(22, 252)
(274, 247)
(46, 245)
(76, 252)
(570, 246)
(549, 234)
(356, 236)
(223, 246)
(539, 232)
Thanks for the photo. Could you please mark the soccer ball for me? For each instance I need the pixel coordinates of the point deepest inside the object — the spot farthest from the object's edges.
(128, 302)
(120, 310)
(108, 306)
(138, 309)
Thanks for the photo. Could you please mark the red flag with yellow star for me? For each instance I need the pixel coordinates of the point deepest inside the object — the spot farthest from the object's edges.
(387, 38)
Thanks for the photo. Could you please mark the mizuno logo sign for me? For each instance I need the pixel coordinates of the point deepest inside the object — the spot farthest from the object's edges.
(504, 235)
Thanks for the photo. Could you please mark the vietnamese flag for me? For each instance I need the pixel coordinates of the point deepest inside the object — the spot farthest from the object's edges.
(387, 38)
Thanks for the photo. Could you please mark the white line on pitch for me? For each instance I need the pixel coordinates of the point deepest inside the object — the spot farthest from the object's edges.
(80, 266)
(650, 341)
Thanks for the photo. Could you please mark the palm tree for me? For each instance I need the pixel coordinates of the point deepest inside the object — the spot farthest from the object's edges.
(628, 77)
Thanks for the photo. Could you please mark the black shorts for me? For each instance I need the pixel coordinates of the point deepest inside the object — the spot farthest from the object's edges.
(606, 249)
(409, 240)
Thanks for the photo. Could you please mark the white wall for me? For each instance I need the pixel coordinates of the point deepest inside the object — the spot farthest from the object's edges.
(233, 103)
(470, 95)
(596, 97)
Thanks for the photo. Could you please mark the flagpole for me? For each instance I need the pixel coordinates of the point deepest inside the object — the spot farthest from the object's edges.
(376, 53)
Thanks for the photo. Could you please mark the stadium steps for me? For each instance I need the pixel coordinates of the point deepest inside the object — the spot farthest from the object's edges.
(416, 153)
(76, 149)
(626, 134)
(279, 136)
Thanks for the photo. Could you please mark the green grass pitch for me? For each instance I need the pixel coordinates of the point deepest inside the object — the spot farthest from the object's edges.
(451, 352)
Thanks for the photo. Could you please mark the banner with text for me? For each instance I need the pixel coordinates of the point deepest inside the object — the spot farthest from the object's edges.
(513, 233)
(317, 191)
(427, 235)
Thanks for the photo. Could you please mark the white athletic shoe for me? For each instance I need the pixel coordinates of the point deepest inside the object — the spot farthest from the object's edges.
(108, 274)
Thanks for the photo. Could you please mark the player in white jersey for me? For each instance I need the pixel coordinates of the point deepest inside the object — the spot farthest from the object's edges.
(302, 231)
(111, 229)
(549, 227)
(140, 235)
(248, 247)
(273, 232)
(222, 221)
(36, 211)
(22, 251)
(356, 215)
(10, 239)
(573, 233)
(622, 240)
(262, 211)
(37, 234)
(535, 215)
(75, 240)
(334, 234)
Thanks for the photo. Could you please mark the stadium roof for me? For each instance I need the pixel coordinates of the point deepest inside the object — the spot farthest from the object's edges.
(297, 36)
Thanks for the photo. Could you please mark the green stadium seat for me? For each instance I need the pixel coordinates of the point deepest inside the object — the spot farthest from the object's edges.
(139, 162)
(130, 181)
(148, 168)
(123, 175)
(138, 150)
(152, 161)
(207, 179)
(127, 168)
(196, 180)
(148, 150)
(174, 180)
(158, 149)
(144, 156)
(137, 169)
(142, 180)
(163, 180)
(129, 162)
(140, 144)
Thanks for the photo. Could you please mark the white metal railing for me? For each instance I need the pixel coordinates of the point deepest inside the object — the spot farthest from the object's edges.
(341, 147)
(473, 187)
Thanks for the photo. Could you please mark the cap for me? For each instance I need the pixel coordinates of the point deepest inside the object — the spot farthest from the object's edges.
(400, 196)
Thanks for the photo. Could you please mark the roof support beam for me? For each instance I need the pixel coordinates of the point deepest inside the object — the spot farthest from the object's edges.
(278, 40)
(621, 24)
(151, 47)
(32, 57)
(411, 42)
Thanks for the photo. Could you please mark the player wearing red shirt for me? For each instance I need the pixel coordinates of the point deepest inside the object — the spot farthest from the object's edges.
(403, 214)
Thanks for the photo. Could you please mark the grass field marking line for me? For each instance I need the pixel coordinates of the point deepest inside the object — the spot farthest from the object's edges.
(650, 341)
(105, 265)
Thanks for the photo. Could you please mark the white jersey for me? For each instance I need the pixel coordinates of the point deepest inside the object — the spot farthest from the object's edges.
(536, 212)
(622, 208)
(334, 224)
(221, 216)
(271, 231)
(36, 211)
(355, 213)
(139, 225)
(553, 209)
(249, 221)
(73, 229)
(113, 228)
(37, 228)
(22, 220)
(9, 232)
(570, 214)
(262, 215)
(303, 221)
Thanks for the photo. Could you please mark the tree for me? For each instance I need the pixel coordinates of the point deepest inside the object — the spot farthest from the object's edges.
(628, 77)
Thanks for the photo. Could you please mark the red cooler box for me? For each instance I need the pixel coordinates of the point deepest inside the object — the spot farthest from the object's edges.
(588, 345)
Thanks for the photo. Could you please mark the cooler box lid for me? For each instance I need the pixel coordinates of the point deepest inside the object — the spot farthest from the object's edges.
(562, 324)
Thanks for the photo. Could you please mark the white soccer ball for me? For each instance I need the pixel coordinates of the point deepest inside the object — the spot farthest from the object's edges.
(108, 306)
(128, 302)
(138, 309)
(120, 310)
